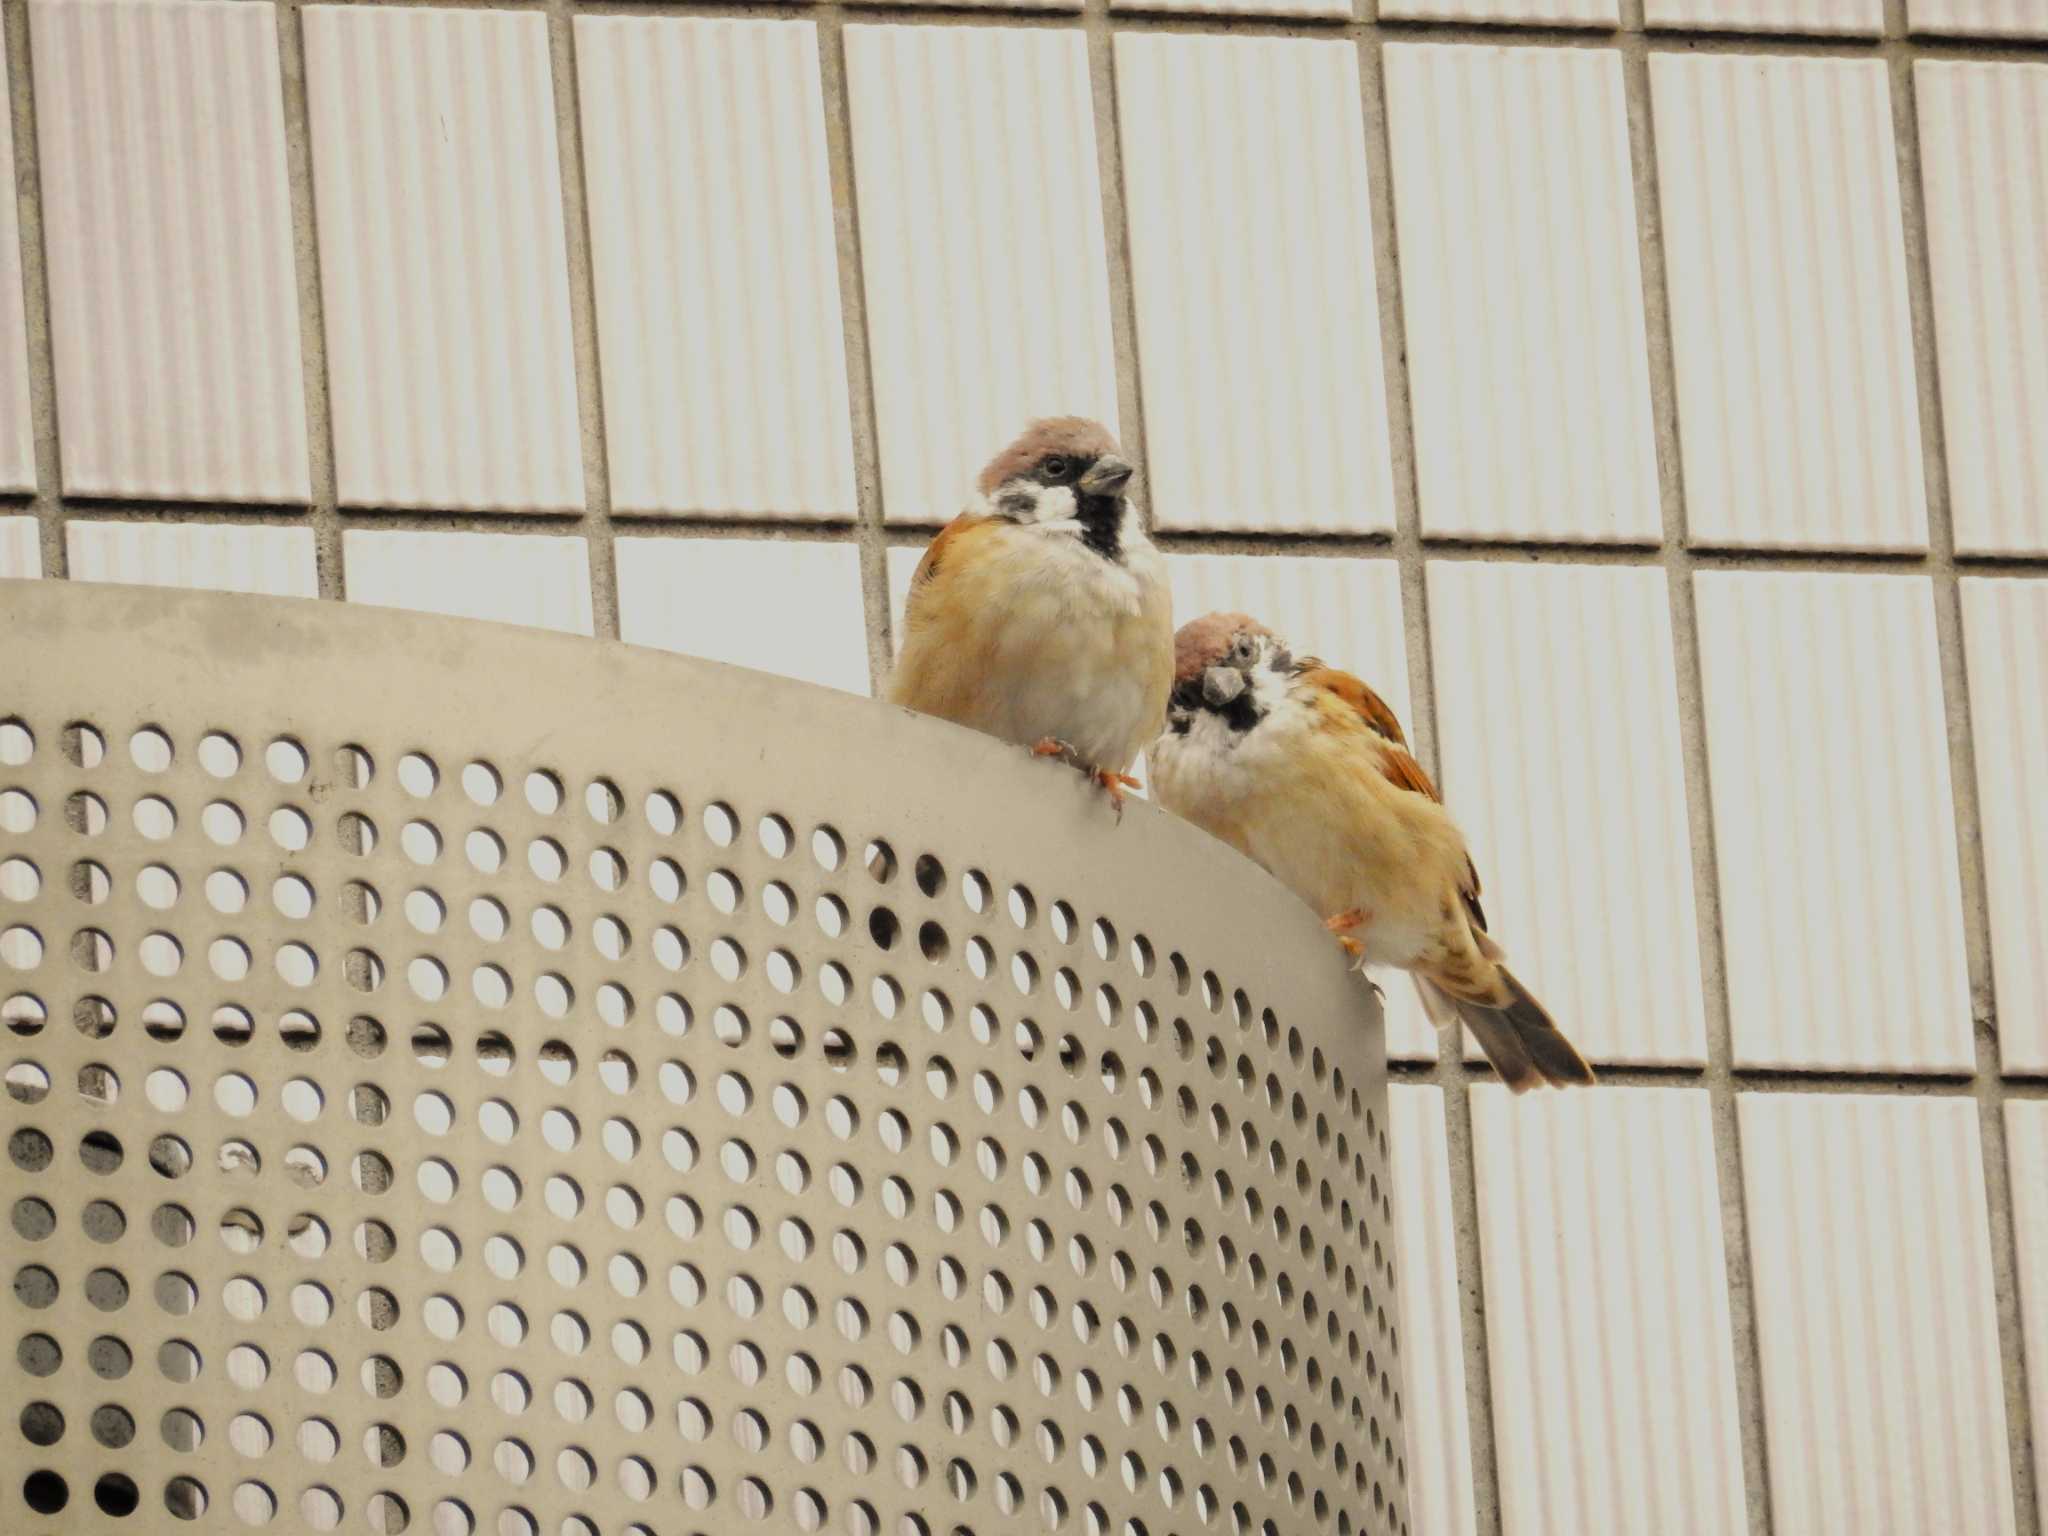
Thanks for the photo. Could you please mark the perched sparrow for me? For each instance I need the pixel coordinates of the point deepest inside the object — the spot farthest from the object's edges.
(1304, 768)
(1040, 614)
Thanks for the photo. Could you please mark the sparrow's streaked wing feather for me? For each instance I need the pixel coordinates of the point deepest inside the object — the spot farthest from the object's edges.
(1391, 756)
(935, 552)
(1371, 708)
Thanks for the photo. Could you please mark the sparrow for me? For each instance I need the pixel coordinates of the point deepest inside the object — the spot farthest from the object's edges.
(1040, 614)
(1304, 769)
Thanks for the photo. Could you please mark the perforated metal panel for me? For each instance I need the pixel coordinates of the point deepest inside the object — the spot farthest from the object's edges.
(461, 1079)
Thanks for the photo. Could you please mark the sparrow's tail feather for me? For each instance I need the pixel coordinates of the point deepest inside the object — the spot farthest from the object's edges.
(1525, 1046)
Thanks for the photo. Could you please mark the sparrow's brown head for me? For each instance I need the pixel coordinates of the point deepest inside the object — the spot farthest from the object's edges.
(1214, 661)
(1067, 475)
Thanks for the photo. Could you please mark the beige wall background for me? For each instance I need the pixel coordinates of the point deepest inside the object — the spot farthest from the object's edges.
(1646, 395)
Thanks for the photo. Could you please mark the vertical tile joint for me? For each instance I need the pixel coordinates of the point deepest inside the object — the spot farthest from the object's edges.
(1450, 1071)
(322, 512)
(48, 500)
(597, 495)
(1116, 231)
(1989, 1085)
(1678, 563)
(853, 313)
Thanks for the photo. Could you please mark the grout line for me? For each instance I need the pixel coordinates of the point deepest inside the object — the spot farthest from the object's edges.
(47, 502)
(860, 375)
(1990, 1087)
(1116, 230)
(320, 514)
(1450, 1071)
(597, 488)
(1679, 563)
(1873, 1081)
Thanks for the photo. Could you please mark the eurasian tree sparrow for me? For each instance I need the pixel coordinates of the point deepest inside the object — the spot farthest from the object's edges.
(1304, 769)
(1041, 614)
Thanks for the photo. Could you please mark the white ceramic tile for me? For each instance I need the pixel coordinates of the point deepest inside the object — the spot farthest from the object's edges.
(1548, 13)
(1557, 724)
(1834, 832)
(1863, 17)
(1983, 143)
(1798, 417)
(1870, 1260)
(1252, 263)
(1608, 1336)
(1008, 5)
(784, 605)
(443, 263)
(21, 552)
(1432, 1347)
(511, 578)
(1349, 613)
(1339, 10)
(174, 306)
(2026, 1154)
(717, 276)
(981, 247)
(1979, 18)
(17, 441)
(275, 561)
(1519, 277)
(2005, 647)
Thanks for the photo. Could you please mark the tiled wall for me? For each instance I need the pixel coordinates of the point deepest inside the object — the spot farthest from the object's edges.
(1649, 396)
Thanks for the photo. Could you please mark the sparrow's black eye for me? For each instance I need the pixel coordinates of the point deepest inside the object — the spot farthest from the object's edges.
(1056, 468)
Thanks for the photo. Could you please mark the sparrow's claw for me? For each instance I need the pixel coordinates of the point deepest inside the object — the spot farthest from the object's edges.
(1351, 945)
(1052, 746)
(1348, 922)
(1114, 784)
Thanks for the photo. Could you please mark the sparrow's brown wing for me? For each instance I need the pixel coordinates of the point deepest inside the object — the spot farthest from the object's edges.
(935, 553)
(1395, 763)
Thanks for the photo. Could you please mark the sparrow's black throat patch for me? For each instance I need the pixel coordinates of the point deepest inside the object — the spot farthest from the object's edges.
(1241, 715)
(1101, 519)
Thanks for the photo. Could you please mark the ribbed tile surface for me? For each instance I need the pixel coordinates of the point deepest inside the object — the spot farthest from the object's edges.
(174, 309)
(1336, 9)
(1349, 613)
(1983, 149)
(1018, 5)
(1252, 261)
(716, 271)
(1870, 1258)
(17, 441)
(531, 579)
(443, 267)
(981, 247)
(1841, 904)
(274, 561)
(1549, 13)
(2026, 1154)
(1863, 17)
(1608, 1335)
(784, 605)
(2005, 645)
(1523, 294)
(1787, 273)
(1979, 18)
(1557, 715)
(1432, 1347)
(21, 551)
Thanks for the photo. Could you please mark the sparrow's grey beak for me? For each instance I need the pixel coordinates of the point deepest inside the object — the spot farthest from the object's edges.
(1222, 684)
(1107, 476)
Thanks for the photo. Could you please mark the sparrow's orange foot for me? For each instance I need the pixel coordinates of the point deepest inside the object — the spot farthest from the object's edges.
(1114, 784)
(1345, 922)
(1052, 746)
(1351, 945)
